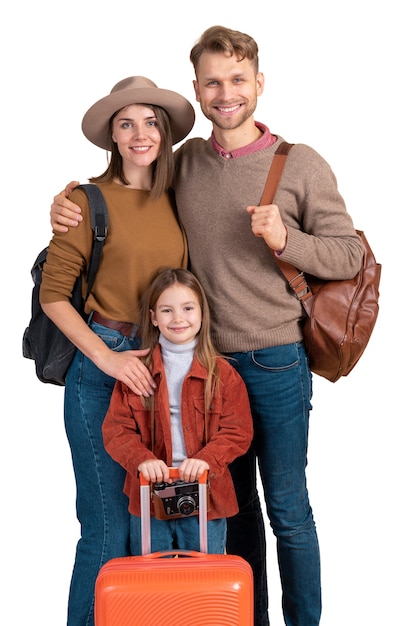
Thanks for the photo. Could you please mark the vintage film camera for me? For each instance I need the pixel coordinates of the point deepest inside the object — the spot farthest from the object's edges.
(177, 499)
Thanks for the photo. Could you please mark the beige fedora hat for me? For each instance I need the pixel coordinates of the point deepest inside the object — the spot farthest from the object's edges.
(137, 90)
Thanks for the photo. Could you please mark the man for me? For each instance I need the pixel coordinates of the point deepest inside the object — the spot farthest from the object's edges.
(255, 319)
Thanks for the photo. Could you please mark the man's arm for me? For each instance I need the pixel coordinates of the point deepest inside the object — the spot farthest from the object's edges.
(63, 212)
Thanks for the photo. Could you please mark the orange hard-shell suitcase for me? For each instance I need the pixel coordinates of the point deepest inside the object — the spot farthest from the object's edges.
(195, 589)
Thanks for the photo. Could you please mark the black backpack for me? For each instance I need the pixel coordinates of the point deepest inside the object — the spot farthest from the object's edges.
(42, 340)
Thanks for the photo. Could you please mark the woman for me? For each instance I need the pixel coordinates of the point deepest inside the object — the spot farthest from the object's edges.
(138, 123)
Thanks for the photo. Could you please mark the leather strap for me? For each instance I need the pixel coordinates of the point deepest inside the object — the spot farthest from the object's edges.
(125, 328)
(275, 172)
(296, 279)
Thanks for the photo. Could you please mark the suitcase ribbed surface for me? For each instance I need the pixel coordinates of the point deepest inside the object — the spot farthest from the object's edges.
(211, 590)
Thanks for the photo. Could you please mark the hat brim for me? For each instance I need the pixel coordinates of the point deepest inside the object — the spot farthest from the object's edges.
(95, 124)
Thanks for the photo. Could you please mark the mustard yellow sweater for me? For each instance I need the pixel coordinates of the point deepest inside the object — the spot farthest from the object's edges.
(142, 236)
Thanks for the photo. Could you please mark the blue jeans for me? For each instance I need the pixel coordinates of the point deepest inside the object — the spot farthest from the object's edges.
(279, 384)
(179, 534)
(101, 504)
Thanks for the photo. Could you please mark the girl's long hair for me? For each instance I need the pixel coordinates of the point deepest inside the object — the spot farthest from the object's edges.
(163, 166)
(205, 351)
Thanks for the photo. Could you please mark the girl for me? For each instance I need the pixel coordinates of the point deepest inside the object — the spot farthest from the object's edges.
(198, 419)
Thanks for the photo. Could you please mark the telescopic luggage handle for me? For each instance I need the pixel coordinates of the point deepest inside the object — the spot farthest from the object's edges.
(146, 509)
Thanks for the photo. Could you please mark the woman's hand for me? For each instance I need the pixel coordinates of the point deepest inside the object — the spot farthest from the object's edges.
(124, 366)
(128, 368)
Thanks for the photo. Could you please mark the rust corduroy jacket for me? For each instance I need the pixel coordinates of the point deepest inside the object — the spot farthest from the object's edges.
(127, 430)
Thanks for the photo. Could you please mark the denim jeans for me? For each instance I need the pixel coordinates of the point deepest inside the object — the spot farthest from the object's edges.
(279, 384)
(101, 505)
(179, 534)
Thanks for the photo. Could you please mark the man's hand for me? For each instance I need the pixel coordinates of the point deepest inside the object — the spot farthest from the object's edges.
(65, 213)
(266, 222)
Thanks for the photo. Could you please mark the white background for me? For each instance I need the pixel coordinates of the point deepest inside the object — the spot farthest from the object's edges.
(340, 76)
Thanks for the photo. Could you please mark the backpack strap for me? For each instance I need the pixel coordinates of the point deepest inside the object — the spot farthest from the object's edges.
(99, 224)
(296, 279)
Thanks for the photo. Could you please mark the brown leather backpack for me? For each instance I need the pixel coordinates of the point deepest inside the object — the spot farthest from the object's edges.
(340, 314)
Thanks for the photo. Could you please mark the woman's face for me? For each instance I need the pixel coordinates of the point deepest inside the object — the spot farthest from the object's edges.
(136, 133)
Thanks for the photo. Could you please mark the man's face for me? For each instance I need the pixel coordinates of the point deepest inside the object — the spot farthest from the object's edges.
(227, 89)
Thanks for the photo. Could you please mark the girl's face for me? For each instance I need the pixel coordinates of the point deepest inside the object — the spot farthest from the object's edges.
(178, 314)
(137, 135)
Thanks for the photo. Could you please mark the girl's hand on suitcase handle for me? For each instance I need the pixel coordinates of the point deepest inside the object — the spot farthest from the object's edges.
(155, 470)
(191, 469)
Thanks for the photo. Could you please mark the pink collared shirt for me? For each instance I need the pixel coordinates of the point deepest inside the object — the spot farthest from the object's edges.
(266, 140)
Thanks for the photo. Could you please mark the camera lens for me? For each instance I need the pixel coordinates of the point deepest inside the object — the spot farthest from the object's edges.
(186, 505)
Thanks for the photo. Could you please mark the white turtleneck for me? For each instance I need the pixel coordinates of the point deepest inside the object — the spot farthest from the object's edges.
(177, 360)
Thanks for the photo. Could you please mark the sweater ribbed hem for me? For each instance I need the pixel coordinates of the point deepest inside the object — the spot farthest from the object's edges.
(226, 342)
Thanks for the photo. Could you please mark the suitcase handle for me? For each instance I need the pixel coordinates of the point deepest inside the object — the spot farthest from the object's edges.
(145, 506)
(175, 473)
(181, 553)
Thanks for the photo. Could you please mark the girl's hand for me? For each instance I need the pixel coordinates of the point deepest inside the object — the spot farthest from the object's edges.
(155, 470)
(191, 469)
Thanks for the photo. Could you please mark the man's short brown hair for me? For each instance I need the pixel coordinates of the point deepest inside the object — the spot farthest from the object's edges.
(230, 42)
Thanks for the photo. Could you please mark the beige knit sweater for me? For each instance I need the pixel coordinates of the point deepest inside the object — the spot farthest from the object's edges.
(251, 305)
